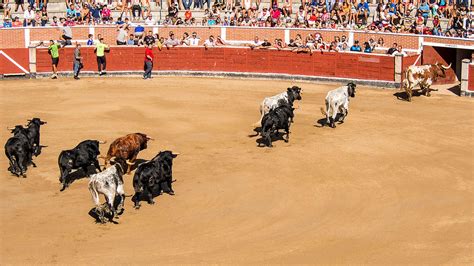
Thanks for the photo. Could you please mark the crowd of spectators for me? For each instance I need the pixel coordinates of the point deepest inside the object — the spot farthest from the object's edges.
(313, 42)
(400, 16)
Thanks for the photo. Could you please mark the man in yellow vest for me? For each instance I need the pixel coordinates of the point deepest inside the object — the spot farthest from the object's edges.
(100, 50)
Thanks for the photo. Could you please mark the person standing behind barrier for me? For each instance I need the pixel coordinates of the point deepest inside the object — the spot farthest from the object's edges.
(53, 50)
(148, 67)
(77, 66)
(100, 50)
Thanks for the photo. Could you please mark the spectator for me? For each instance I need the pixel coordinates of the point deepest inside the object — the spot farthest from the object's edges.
(139, 30)
(66, 32)
(77, 65)
(256, 43)
(356, 47)
(136, 9)
(17, 22)
(19, 3)
(367, 48)
(185, 39)
(380, 42)
(148, 67)
(210, 42)
(171, 41)
(7, 23)
(149, 21)
(131, 40)
(44, 16)
(363, 11)
(54, 22)
(424, 9)
(29, 17)
(173, 12)
(7, 10)
(122, 35)
(392, 49)
(106, 14)
(399, 51)
(100, 50)
(90, 40)
(194, 39)
(149, 39)
(53, 50)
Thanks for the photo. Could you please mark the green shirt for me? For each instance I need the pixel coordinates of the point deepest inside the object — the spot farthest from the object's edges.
(100, 47)
(54, 49)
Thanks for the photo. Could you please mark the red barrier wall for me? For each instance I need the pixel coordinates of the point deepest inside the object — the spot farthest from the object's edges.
(20, 55)
(470, 82)
(328, 64)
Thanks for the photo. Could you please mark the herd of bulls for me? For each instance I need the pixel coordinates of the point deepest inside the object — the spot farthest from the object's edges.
(152, 177)
(278, 111)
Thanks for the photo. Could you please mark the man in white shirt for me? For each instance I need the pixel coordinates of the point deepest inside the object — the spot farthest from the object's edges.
(399, 51)
(210, 42)
(149, 21)
(194, 39)
(29, 17)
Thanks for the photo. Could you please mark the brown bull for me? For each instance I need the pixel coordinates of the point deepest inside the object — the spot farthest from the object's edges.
(423, 76)
(127, 148)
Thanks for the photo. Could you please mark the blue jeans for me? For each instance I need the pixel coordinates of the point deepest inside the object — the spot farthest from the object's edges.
(76, 67)
(187, 4)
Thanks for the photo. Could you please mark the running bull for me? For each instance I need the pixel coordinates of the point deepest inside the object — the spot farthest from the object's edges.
(18, 151)
(82, 156)
(156, 176)
(127, 148)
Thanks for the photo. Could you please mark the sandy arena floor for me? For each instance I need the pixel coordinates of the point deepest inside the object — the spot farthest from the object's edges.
(394, 184)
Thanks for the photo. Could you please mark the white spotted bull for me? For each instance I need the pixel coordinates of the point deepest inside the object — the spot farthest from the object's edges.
(422, 76)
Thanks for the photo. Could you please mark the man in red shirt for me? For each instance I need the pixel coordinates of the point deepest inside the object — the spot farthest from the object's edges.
(148, 67)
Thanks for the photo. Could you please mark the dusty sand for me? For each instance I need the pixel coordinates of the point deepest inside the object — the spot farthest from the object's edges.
(394, 184)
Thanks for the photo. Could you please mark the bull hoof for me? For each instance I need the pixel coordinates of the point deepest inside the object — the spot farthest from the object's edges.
(23, 175)
(137, 207)
(170, 193)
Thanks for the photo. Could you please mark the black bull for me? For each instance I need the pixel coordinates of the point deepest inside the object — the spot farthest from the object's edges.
(154, 176)
(19, 151)
(82, 156)
(279, 118)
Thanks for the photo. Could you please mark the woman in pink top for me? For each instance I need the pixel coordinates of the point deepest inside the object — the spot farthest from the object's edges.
(106, 13)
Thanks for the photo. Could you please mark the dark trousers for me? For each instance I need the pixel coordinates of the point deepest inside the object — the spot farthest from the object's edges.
(101, 63)
(138, 9)
(148, 67)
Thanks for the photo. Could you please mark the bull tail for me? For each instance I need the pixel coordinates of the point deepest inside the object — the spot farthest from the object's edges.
(94, 193)
(323, 111)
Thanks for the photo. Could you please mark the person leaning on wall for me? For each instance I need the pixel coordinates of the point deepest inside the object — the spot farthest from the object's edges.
(100, 49)
(148, 64)
(77, 64)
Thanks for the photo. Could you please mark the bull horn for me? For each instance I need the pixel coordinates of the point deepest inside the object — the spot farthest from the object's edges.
(112, 159)
(176, 153)
(446, 68)
(43, 146)
(102, 141)
(129, 163)
(10, 128)
(149, 138)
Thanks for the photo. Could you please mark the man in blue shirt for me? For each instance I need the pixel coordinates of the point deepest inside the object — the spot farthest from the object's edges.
(139, 30)
(7, 23)
(425, 10)
(356, 47)
(363, 10)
